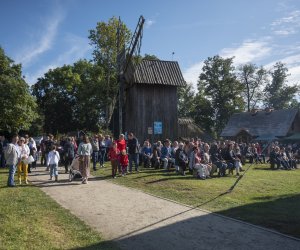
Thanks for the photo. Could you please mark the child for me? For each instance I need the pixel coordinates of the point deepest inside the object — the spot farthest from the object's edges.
(113, 155)
(123, 162)
(52, 161)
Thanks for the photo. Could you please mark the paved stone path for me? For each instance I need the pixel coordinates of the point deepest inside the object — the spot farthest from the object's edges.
(136, 220)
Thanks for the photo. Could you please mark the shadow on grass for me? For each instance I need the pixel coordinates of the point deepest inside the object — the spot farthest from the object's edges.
(262, 168)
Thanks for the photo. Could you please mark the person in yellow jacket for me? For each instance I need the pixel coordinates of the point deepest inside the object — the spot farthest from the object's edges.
(22, 165)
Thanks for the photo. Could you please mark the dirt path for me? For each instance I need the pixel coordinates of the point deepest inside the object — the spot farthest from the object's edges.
(140, 221)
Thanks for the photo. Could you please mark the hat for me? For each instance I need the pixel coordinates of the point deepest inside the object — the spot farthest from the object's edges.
(22, 139)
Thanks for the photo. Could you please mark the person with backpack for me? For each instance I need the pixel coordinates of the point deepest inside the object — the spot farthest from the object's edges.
(181, 158)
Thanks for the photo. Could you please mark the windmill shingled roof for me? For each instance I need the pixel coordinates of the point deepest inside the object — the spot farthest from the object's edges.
(158, 72)
(277, 123)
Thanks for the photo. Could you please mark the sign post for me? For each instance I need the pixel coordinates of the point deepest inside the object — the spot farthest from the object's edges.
(157, 128)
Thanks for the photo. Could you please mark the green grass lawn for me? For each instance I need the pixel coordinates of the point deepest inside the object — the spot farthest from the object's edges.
(29, 219)
(263, 197)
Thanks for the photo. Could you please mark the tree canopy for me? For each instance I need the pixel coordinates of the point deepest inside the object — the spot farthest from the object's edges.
(107, 48)
(279, 94)
(18, 106)
(70, 97)
(220, 89)
(253, 78)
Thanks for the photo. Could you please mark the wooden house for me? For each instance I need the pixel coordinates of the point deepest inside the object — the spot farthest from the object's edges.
(150, 100)
(263, 125)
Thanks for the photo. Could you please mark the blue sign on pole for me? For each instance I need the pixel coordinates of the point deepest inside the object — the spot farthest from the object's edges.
(157, 128)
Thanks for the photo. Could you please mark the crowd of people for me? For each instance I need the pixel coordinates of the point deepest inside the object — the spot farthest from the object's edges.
(193, 156)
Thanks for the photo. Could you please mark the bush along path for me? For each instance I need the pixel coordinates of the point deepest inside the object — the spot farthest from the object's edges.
(136, 220)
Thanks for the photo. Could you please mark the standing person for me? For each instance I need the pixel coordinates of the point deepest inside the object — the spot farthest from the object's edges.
(52, 162)
(95, 155)
(22, 165)
(49, 143)
(33, 152)
(123, 162)
(11, 155)
(113, 155)
(133, 152)
(3, 144)
(43, 150)
(102, 150)
(108, 145)
(73, 141)
(84, 151)
(121, 145)
(69, 154)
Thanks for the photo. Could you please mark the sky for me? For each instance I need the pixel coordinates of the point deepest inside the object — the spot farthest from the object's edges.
(45, 34)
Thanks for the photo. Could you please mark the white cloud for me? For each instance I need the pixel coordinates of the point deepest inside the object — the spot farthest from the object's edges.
(192, 73)
(42, 43)
(32, 78)
(78, 49)
(149, 23)
(293, 65)
(248, 51)
(294, 78)
(287, 25)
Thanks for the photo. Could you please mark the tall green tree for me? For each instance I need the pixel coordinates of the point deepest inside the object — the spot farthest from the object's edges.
(221, 89)
(202, 111)
(278, 94)
(90, 105)
(104, 38)
(55, 96)
(253, 78)
(185, 100)
(18, 107)
(70, 97)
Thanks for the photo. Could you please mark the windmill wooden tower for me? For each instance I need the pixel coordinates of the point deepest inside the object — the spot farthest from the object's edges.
(126, 57)
(147, 103)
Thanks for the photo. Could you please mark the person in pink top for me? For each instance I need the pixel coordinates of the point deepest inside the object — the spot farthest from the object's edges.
(113, 155)
(121, 145)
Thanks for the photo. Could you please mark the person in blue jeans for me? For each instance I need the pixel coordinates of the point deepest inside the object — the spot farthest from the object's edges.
(133, 152)
(11, 155)
(102, 151)
(95, 154)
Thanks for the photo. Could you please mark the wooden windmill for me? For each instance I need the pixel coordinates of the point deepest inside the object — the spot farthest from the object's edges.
(127, 60)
